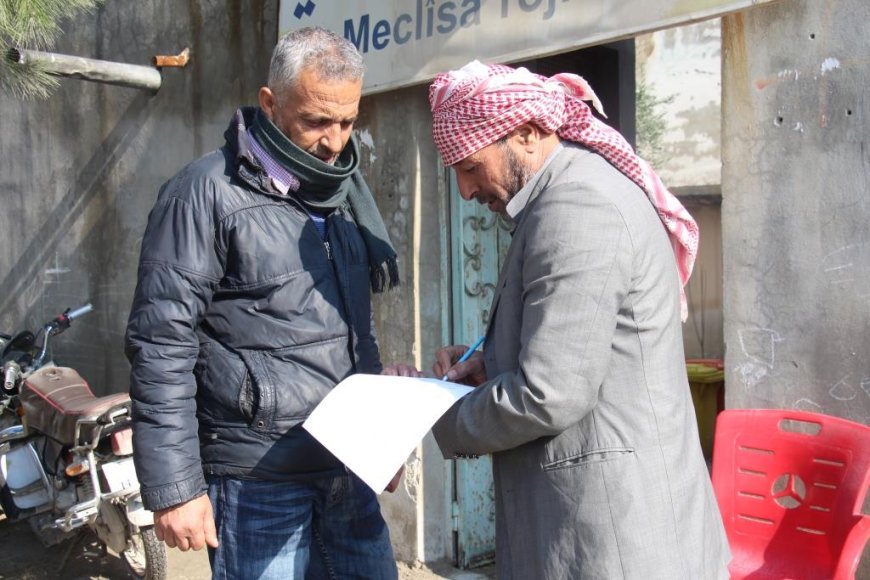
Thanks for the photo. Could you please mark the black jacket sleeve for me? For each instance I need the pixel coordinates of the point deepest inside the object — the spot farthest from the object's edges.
(179, 269)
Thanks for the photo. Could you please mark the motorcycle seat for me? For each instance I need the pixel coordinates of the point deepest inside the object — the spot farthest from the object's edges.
(55, 399)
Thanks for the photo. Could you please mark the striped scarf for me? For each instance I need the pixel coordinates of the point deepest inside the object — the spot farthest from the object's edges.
(479, 104)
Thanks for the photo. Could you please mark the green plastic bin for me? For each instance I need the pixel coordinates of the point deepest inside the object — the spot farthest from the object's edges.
(707, 382)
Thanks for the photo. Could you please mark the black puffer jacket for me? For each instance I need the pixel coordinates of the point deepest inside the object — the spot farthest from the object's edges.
(241, 323)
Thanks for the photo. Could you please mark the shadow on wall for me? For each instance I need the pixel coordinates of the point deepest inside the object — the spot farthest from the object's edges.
(58, 223)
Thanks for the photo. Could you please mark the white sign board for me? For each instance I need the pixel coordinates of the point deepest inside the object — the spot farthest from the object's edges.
(410, 41)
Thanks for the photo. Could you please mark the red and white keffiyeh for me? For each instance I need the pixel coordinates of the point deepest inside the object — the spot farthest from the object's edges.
(479, 104)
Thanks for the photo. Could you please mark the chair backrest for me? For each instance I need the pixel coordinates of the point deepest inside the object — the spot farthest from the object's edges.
(790, 486)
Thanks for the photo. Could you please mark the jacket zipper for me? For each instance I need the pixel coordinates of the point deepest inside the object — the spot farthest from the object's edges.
(346, 304)
(326, 246)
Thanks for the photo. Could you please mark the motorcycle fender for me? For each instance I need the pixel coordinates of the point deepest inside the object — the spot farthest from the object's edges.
(138, 515)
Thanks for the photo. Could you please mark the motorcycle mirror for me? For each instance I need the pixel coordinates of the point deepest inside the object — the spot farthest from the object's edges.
(23, 341)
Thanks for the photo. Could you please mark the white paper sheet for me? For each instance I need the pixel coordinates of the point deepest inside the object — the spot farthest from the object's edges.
(373, 422)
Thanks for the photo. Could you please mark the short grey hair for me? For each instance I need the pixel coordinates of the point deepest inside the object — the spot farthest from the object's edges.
(331, 56)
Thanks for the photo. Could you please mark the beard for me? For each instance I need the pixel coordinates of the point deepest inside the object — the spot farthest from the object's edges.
(518, 174)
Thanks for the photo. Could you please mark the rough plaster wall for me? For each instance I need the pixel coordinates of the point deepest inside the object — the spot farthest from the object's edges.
(702, 331)
(682, 65)
(80, 171)
(400, 162)
(796, 205)
(681, 68)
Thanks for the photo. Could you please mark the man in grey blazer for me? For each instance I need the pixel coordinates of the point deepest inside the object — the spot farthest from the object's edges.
(582, 397)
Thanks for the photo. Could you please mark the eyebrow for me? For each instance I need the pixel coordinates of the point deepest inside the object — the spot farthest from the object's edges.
(319, 117)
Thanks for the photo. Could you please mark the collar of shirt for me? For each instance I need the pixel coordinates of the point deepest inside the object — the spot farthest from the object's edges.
(282, 180)
(519, 201)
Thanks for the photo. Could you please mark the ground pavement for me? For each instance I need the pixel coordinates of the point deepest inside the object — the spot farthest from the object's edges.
(23, 557)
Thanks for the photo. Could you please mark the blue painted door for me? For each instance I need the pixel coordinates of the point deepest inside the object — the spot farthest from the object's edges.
(479, 241)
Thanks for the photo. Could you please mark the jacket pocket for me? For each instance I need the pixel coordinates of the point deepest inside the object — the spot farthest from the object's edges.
(221, 384)
(257, 396)
(247, 398)
(200, 367)
(592, 457)
(303, 375)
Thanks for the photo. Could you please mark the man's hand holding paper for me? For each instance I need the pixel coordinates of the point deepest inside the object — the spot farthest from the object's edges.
(399, 370)
(373, 422)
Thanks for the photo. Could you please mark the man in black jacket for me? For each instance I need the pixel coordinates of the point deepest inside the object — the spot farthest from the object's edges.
(253, 301)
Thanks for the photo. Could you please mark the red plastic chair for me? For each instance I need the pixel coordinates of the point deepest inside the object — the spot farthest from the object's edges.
(791, 486)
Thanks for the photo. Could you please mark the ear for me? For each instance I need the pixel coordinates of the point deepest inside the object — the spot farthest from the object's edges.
(527, 136)
(267, 102)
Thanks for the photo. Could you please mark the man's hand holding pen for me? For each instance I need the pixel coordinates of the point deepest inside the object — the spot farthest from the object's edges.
(457, 363)
(471, 372)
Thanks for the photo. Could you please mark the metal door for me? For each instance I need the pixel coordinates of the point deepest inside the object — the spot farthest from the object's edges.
(479, 242)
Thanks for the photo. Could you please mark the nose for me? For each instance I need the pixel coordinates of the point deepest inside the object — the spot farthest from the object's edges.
(467, 189)
(332, 139)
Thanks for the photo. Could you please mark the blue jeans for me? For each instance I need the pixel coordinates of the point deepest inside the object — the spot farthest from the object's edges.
(327, 528)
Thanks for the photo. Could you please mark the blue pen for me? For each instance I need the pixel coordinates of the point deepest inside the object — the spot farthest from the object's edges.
(467, 354)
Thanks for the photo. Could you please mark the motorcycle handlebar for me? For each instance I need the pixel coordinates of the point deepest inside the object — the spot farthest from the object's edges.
(11, 373)
(80, 311)
(57, 326)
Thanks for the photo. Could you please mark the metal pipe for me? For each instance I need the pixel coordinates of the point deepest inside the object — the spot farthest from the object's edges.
(12, 433)
(100, 71)
(47, 332)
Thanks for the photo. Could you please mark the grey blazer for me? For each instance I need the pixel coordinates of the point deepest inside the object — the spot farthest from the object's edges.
(596, 460)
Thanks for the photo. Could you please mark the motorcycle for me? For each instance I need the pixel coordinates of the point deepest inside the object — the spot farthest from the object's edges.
(66, 456)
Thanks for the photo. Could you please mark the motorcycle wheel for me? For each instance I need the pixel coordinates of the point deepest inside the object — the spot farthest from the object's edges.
(145, 556)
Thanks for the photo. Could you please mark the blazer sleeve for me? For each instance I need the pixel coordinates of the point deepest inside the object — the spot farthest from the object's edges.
(179, 270)
(576, 259)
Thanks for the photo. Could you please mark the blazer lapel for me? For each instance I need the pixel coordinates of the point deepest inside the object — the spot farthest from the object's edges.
(542, 181)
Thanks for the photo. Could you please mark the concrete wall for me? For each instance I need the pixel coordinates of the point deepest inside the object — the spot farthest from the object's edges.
(796, 205)
(681, 69)
(79, 172)
(401, 163)
(702, 330)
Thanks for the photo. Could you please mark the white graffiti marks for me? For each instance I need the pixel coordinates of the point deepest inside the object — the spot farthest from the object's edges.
(759, 346)
(842, 390)
(847, 269)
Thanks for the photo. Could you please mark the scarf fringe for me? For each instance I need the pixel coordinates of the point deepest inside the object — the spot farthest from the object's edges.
(378, 275)
(393, 267)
